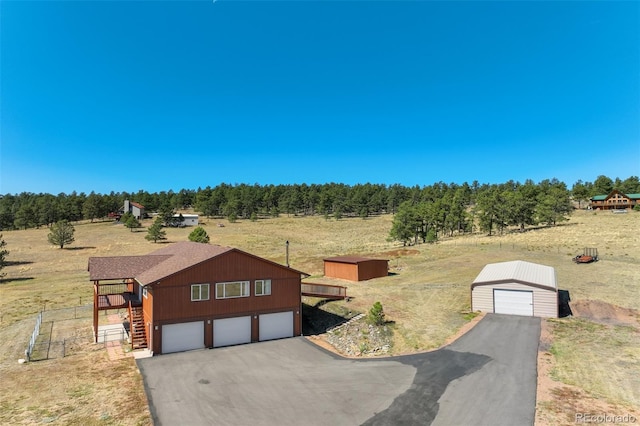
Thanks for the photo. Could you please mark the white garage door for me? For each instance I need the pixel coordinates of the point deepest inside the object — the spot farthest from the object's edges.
(231, 331)
(182, 337)
(513, 302)
(276, 326)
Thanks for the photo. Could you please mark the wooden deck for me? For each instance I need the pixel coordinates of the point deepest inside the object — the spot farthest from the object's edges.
(117, 301)
(325, 291)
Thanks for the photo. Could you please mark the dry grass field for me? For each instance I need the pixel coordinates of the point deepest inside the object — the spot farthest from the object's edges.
(587, 362)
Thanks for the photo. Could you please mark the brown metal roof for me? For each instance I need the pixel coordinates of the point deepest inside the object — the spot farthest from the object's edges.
(351, 259)
(160, 263)
(138, 205)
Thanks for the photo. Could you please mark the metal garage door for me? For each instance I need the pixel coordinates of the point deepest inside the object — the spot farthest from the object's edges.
(231, 331)
(513, 302)
(276, 326)
(182, 337)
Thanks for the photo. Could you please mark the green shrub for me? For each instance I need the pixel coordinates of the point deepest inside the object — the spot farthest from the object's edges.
(376, 314)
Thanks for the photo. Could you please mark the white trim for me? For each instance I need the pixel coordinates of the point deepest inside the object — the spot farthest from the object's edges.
(199, 297)
(266, 287)
(221, 289)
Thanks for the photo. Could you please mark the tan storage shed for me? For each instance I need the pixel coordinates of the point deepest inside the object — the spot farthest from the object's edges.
(355, 268)
(516, 288)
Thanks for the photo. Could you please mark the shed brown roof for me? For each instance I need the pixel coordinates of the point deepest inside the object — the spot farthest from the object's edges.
(352, 259)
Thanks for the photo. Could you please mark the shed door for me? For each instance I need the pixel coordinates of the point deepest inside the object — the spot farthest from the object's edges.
(513, 302)
(182, 337)
(276, 326)
(231, 331)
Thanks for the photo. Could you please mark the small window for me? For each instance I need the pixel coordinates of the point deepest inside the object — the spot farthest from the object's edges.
(232, 289)
(263, 287)
(199, 292)
(144, 292)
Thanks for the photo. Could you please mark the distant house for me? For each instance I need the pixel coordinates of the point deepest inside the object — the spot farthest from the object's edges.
(355, 268)
(615, 200)
(190, 295)
(136, 209)
(188, 219)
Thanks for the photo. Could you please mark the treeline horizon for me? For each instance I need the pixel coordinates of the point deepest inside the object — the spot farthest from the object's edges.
(243, 201)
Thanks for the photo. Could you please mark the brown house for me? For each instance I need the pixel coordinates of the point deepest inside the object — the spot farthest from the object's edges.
(191, 295)
(355, 268)
(615, 200)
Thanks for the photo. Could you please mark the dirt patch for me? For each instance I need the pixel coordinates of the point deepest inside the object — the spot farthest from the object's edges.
(558, 403)
(605, 313)
(396, 253)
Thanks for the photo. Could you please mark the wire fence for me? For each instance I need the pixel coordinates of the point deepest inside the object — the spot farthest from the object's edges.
(34, 336)
(64, 332)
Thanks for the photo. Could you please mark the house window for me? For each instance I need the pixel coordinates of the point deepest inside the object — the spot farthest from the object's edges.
(232, 289)
(144, 292)
(199, 292)
(263, 287)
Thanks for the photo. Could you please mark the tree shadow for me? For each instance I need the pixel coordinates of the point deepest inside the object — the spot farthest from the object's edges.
(78, 248)
(10, 280)
(17, 262)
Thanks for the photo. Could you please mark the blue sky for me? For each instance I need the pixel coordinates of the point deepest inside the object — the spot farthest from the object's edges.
(123, 96)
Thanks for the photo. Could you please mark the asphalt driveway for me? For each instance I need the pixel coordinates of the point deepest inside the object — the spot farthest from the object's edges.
(488, 376)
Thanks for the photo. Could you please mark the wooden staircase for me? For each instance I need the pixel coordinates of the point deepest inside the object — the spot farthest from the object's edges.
(138, 331)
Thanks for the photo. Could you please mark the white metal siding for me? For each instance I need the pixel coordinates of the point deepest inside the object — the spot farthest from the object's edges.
(513, 302)
(182, 337)
(276, 326)
(545, 301)
(231, 331)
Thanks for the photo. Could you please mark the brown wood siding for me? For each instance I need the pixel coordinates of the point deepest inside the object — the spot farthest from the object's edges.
(172, 296)
(147, 314)
(364, 270)
(373, 268)
(345, 271)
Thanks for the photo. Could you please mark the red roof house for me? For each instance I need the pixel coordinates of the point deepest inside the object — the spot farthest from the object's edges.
(190, 295)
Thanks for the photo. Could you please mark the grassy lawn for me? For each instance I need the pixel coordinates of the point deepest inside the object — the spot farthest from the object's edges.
(427, 297)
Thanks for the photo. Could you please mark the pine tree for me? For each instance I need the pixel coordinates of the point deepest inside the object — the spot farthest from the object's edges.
(61, 233)
(3, 255)
(132, 223)
(155, 231)
(199, 235)
(376, 314)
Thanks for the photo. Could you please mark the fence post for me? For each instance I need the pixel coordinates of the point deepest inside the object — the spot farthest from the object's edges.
(64, 343)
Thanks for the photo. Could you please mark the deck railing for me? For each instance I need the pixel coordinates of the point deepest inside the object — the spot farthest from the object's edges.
(115, 288)
(324, 290)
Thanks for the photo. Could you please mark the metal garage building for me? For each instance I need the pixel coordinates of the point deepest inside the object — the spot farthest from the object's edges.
(516, 288)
